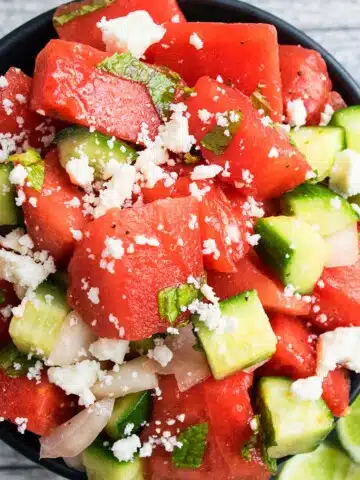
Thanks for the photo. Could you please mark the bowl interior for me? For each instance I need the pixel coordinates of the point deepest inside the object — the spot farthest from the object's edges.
(20, 48)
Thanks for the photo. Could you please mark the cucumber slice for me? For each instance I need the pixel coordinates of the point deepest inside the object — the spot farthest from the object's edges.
(348, 429)
(249, 342)
(325, 463)
(349, 119)
(291, 426)
(319, 206)
(75, 141)
(132, 409)
(100, 464)
(13, 362)
(8, 208)
(293, 249)
(37, 329)
(319, 145)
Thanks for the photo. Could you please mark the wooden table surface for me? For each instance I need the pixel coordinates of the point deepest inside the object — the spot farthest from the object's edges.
(334, 24)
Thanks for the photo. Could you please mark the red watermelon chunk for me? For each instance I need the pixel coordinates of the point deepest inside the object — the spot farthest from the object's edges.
(50, 218)
(295, 355)
(336, 391)
(251, 274)
(44, 405)
(244, 55)
(19, 126)
(304, 76)
(260, 158)
(121, 299)
(68, 85)
(83, 28)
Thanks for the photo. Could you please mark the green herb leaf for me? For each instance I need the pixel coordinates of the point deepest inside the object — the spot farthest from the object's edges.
(260, 102)
(61, 20)
(172, 299)
(13, 362)
(194, 440)
(218, 139)
(161, 83)
(34, 165)
(190, 159)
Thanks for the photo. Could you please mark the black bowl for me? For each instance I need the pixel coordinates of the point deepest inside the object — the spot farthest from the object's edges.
(20, 47)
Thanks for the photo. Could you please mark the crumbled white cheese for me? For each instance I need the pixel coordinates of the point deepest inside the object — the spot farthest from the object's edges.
(3, 82)
(73, 203)
(110, 349)
(196, 41)
(211, 315)
(345, 174)
(204, 115)
(210, 248)
(21, 98)
(135, 33)
(77, 234)
(209, 293)
(146, 450)
(24, 270)
(274, 153)
(18, 241)
(202, 172)
(193, 222)
(339, 347)
(161, 354)
(18, 175)
(175, 18)
(79, 171)
(113, 248)
(253, 240)
(93, 295)
(197, 192)
(326, 115)
(22, 424)
(296, 112)
(143, 240)
(118, 189)
(125, 449)
(77, 379)
(175, 133)
(307, 388)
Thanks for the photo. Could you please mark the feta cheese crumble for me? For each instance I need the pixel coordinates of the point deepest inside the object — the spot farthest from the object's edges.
(18, 175)
(93, 295)
(110, 349)
(161, 354)
(77, 379)
(174, 134)
(203, 172)
(339, 347)
(296, 112)
(210, 248)
(125, 449)
(79, 171)
(326, 115)
(307, 388)
(196, 41)
(135, 33)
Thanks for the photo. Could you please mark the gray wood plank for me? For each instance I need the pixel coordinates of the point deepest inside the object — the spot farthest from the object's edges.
(27, 474)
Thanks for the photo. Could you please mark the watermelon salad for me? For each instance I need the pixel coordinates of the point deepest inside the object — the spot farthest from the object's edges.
(179, 261)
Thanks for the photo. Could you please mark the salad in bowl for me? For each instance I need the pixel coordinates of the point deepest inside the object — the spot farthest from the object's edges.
(179, 261)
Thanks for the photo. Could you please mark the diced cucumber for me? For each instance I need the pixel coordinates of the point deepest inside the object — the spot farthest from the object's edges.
(74, 142)
(8, 209)
(293, 249)
(251, 339)
(291, 426)
(320, 207)
(349, 119)
(37, 329)
(131, 409)
(100, 464)
(13, 362)
(319, 145)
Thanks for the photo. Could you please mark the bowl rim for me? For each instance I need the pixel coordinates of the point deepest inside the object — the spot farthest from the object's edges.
(340, 76)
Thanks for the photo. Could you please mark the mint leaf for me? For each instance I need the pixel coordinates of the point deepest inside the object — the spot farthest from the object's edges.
(260, 102)
(190, 159)
(218, 139)
(172, 299)
(34, 165)
(61, 20)
(161, 83)
(10, 357)
(194, 440)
